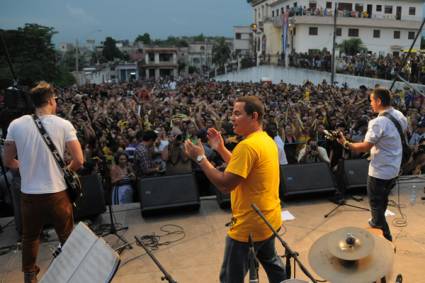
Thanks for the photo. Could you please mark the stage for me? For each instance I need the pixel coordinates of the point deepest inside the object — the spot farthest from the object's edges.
(197, 257)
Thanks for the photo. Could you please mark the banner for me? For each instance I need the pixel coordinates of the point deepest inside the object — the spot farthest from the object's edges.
(285, 16)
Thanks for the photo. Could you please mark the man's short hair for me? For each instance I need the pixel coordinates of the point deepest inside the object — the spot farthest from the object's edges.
(149, 136)
(383, 94)
(41, 94)
(252, 104)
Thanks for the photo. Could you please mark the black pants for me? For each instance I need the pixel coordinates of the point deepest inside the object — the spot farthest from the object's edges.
(378, 191)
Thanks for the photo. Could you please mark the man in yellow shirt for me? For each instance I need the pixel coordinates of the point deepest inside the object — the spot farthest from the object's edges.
(252, 177)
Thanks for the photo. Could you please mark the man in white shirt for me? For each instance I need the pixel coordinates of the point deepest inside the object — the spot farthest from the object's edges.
(272, 132)
(384, 142)
(44, 199)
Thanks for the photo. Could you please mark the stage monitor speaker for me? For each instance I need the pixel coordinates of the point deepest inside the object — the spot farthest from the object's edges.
(306, 178)
(355, 173)
(168, 192)
(93, 201)
(84, 258)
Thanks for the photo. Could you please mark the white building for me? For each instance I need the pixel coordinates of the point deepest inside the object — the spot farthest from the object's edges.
(383, 26)
(200, 55)
(160, 62)
(242, 40)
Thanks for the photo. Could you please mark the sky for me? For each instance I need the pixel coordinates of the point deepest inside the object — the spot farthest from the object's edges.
(125, 19)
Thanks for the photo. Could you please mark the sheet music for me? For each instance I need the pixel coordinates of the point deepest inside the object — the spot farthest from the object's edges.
(84, 258)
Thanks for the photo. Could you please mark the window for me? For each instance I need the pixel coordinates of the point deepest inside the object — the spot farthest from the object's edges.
(411, 35)
(237, 36)
(376, 33)
(312, 5)
(396, 34)
(378, 8)
(338, 31)
(353, 32)
(313, 30)
(273, 14)
(328, 5)
(388, 9)
(412, 11)
(295, 4)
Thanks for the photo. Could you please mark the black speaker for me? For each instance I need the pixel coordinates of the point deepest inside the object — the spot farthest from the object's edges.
(306, 178)
(168, 192)
(355, 173)
(93, 201)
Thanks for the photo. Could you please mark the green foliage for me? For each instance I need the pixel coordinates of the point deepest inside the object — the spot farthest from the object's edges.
(145, 38)
(220, 52)
(352, 46)
(32, 54)
(110, 50)
(64, 78)
(199, 38)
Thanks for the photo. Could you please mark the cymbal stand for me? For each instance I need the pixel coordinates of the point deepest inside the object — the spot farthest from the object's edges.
(288, 251)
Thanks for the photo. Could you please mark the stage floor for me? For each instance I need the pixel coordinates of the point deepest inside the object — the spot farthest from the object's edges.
(197, 257)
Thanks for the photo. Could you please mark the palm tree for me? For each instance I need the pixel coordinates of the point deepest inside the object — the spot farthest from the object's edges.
(220, 52)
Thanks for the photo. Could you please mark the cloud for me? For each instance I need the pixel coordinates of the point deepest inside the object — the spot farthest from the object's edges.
(81, 15)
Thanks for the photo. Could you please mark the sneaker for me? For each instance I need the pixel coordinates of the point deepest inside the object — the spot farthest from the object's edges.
(371, 224)
(31, 277)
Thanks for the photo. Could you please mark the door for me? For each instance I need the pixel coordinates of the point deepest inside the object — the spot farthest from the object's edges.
(369, 10)
(398, 13)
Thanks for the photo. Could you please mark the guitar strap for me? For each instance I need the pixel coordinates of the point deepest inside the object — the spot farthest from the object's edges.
(49, 142)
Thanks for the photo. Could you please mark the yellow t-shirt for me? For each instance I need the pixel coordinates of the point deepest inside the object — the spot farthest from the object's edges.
(256, 160)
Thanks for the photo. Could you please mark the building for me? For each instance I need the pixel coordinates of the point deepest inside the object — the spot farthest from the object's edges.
(159, 62)
(200, 55)
(126, 72)
(262, 28)
(383, 26)
(242, 41)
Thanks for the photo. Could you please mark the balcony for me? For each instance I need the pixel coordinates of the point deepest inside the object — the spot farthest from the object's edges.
(352, 21)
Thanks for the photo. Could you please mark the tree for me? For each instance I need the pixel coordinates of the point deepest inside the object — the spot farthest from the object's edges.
(199, 38)
(31, 53)
(110, 50)
(352, 46)
(220, 52)
(145, 38)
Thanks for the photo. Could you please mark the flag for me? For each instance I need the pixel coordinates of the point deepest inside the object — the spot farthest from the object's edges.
(284, 31)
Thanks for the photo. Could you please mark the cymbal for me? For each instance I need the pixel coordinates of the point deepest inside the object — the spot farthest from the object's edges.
(350, 243)
(372, 267)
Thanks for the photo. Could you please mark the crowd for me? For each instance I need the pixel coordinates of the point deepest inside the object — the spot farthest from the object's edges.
(140, 128)
(365, 64)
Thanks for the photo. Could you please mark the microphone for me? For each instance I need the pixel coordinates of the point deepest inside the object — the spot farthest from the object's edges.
(253, 270)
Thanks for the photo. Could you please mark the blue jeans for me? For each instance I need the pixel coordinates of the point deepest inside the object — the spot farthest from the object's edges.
(235, 263)
(378, 191)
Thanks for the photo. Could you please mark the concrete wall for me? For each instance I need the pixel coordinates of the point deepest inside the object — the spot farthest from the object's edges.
(299, 76)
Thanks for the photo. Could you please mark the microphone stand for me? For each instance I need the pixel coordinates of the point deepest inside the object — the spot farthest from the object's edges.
(106, 180)
(253, 262)
(166, 276)
(288, 251)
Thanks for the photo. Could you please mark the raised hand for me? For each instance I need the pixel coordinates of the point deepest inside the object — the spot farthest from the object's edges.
(215, 139)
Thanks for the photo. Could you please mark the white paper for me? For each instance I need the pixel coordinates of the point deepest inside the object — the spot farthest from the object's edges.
(287, 216)
(389, 213)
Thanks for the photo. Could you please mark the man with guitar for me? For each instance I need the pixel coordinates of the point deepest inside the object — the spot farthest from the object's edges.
(44, 199)
(384, 139)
